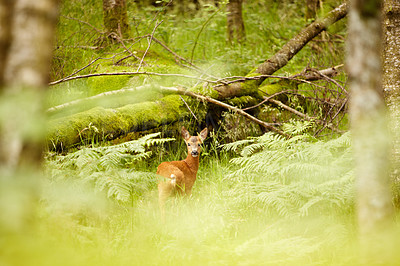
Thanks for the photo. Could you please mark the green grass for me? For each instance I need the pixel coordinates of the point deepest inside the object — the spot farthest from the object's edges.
(80, 220)
(225, 222)
(260, 201)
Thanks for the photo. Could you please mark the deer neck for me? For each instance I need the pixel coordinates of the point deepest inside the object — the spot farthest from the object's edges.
(192, 162)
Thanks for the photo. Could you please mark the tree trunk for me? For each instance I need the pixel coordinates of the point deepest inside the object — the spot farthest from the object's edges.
(116, 18)
(25, 65)
(311, 9)
(369, 126)
(391, 82)
(235, 24)
(6, 11)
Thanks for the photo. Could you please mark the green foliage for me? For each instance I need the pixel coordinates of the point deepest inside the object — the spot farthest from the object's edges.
(102, 84)
(278, 202)
(111, 168)
(295, 175)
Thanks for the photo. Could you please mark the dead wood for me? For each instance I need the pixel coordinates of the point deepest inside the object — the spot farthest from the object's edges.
(282, 57)
(224, 105)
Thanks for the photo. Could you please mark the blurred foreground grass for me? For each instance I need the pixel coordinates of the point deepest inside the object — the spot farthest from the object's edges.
(87, 208)
(66, 222)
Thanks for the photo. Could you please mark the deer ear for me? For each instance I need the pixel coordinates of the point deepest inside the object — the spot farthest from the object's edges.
(203, 134)
(185, 133)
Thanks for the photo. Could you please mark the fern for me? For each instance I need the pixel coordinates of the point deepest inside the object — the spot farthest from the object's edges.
(106, 167)
(296, 175)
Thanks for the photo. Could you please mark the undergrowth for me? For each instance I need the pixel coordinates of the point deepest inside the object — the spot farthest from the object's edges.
(295, 175)
(277, 202)
(110, 168)
(265, 200)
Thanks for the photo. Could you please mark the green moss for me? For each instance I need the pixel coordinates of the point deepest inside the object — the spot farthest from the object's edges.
(106, 83)
(206, 90)
(243, 101)
(271, 88)
(99, 124)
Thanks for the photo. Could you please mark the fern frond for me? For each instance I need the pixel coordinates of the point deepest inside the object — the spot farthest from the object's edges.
(295, 175)
(105, 167)
(234, 146)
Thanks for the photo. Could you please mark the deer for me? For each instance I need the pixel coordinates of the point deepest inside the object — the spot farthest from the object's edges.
(178, 177)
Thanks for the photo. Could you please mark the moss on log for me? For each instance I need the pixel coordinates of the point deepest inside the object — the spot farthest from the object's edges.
(103, 124)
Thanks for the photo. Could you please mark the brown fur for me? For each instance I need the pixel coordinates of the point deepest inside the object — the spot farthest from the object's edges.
(179, 176)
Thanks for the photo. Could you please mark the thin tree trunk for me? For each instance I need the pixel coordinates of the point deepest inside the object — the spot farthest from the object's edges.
(391, 82)
(311, 9)
(235, 24)
(25, 73)
(116, 18)
(25, 68)
(6, 11)
(371, 142)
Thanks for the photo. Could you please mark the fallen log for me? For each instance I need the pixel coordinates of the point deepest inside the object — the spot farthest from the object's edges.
(106, 123)
(100, 123)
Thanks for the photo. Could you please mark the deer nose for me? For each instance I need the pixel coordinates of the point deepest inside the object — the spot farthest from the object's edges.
(195, 153)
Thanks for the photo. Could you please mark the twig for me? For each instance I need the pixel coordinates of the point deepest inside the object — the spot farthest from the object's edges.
(333, 118)
(148, 47)
(120, 40)
(304, 78)
(127, 74)
(265, 100)
(268, 126)
(193, 66)
(198, 34)
(84, 22)
(189, 108)
(306, 117)
(95, 97)
(79, 70)
(69, 77)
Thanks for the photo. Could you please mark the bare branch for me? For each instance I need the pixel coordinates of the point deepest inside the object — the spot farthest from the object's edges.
(268, 126)
(148, 47)
(95, 97)
(192, 66)
(128, 74)
(187, 106)
(305, 77)
(84, 22)
(304, 116)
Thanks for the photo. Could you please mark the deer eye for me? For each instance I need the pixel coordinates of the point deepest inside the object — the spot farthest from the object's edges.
(188, 144)
(198, 144)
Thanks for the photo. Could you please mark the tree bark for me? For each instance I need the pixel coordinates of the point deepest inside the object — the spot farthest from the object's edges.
(371, 143)
(25, 63)
(6, 11)
(282, 57)
(235, 24)
(25, 66)
(311, 9)
(391, 82)
(115, 18)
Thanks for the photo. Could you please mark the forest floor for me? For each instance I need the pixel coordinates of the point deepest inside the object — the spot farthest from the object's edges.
(262, 200)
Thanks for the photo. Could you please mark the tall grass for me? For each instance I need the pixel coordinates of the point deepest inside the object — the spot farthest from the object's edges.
(231, 218)
(260, 201)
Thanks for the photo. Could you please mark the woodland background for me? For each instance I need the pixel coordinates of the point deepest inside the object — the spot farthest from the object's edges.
(93, 96)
